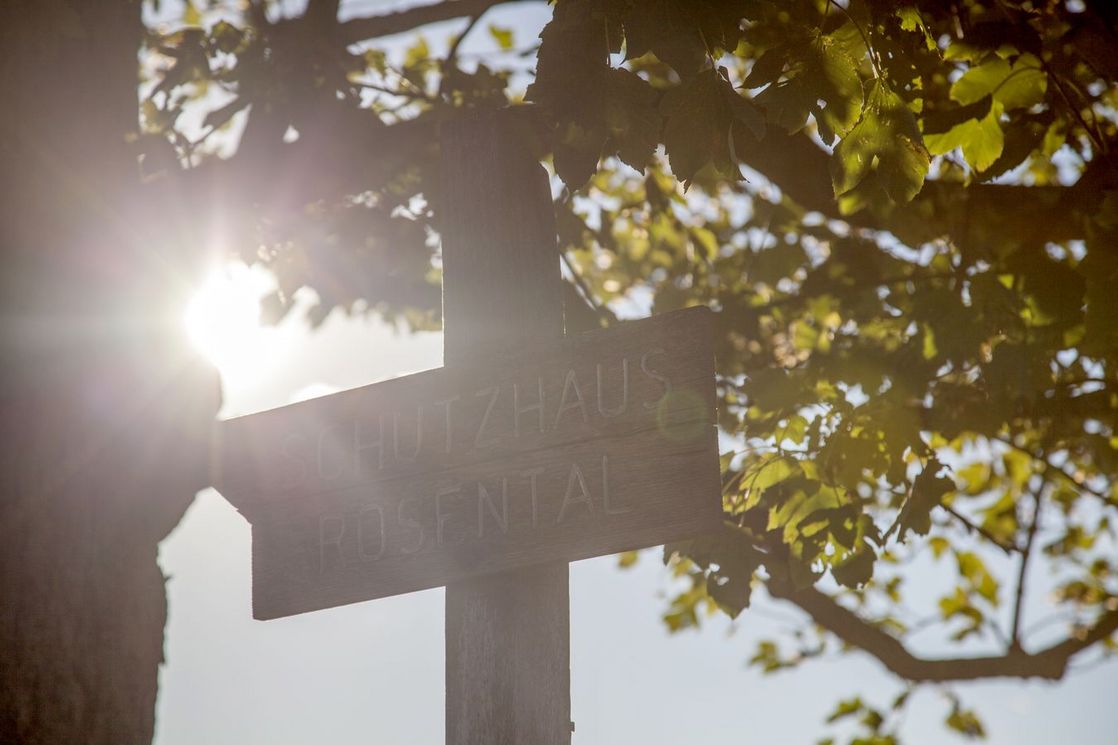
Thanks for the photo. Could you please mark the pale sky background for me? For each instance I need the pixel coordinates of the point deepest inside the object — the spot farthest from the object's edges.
(373, 672)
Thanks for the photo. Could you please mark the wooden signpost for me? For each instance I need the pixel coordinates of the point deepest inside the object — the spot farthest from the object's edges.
(526, 451)
(596, 444)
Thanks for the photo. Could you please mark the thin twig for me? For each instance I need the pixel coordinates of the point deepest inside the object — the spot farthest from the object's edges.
(414, 95)
(998, 633)
(419, 92)
(1054, 470)
(397, 22)
(584, 289)
(975, 528)
(452, 54)
(1092, 133)
(865, 39)
(1018, 600)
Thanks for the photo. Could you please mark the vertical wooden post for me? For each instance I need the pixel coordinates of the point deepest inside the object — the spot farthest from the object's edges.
(507, 635)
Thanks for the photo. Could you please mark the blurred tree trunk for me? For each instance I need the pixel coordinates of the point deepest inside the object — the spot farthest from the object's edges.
(104, 416)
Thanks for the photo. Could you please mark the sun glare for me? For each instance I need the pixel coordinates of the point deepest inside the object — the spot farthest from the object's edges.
(223, 322)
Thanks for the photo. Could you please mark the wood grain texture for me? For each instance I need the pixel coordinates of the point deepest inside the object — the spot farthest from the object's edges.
(508, 676)
(621, 454)
(487, 409)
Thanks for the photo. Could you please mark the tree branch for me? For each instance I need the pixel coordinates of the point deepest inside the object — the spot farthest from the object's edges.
(1019, 597)
(975, 528)
(1049, 664)
(323, 13)
(1053, 470)
(452, 53)
(359, 29)
(801, 170)
(451, 61)
(603, 312)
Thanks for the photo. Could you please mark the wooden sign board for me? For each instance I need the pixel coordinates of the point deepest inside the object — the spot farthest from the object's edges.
(599, 443)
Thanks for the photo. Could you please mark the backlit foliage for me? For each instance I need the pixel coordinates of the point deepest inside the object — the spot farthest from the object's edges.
(905, 213)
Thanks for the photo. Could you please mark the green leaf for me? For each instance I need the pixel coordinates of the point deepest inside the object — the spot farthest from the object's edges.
(846, 708)
(887, 141)
(577, 151)
(731, 586)
(767, 68)
(692, 130)
(795, 430)
(771, 265)
(417, 53)
(856, 569)
(903, 168)
(825, 72)
(705, 241)
(572, 62)
(746, 112)
(226, 37)
(911, 20)
(1022, 137)
(632, 118)
(786, 104)
(775, 389)
(927, 493)
(975, 477)
(191, 15)
(974, 570)
(1024, 86)
(768, 472)
(729, 561)
(941, 120)
(966, 723)
(840, 87)
(698, 114)
(981, 140)
(503, 36)
(665, 28)
(376, 59)
(872, 720)
(571, 79)
(801, 573)
(1018, 85)
(1018, 467)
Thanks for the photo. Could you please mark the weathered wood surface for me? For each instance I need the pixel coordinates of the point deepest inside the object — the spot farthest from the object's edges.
(508, 638)
(536, 395)
(592, 444)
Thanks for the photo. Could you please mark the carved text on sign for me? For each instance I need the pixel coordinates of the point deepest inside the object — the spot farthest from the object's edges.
(465, 512)
(599, 443)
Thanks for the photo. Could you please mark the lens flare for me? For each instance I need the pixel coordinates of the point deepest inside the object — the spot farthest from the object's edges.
(223, 322)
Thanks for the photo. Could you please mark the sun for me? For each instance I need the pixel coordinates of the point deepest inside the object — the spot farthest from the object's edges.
(223, 323)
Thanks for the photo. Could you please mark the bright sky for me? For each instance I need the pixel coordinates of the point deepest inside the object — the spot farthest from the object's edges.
(373, 672)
